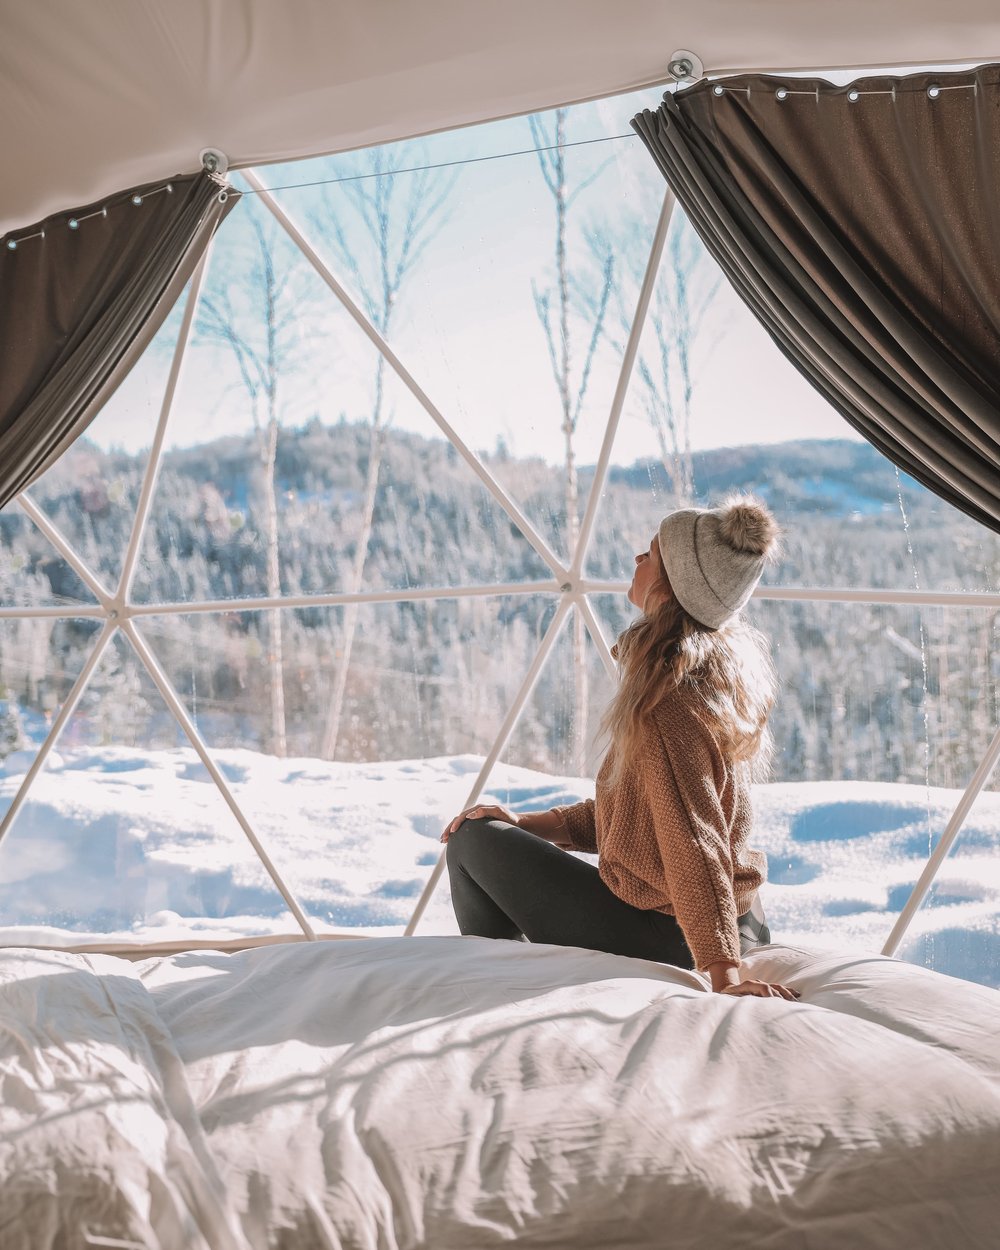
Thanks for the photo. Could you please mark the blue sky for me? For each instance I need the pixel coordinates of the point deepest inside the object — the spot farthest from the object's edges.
(466, 323)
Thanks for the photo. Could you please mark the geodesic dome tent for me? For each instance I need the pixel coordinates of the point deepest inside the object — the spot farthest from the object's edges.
(324, 477)
(349, 352)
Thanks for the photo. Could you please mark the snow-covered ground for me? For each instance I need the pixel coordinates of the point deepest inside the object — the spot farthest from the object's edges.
(140, 846)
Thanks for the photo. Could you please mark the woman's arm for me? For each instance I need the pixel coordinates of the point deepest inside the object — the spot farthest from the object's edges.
(580, 822)
(726, 980)
(681, 768)
(550, 825)
(723, 973)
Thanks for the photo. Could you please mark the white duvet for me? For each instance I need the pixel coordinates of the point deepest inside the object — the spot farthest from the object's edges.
(455, 1093)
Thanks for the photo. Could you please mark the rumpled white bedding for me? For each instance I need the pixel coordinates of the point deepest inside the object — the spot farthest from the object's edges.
(455, 1093)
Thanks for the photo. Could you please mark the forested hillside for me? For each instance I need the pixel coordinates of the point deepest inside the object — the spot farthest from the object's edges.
(883, 693)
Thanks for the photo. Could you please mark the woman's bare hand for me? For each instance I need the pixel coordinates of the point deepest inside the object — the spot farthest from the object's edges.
(482, 811)
(760, 989)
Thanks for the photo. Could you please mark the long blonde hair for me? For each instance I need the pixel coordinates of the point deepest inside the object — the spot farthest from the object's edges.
(729, 669)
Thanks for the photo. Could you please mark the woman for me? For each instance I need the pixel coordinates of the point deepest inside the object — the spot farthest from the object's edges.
(675, 879)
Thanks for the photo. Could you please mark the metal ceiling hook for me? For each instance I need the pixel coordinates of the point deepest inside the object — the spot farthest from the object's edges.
(213, 161)
(685, 67)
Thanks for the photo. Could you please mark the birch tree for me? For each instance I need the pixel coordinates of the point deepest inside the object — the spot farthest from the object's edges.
(572, 344)
(378, 225)
(264, 329)
(677, 331)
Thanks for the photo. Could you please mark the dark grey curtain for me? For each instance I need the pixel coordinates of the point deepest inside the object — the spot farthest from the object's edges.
(864, 233)
(79, 305)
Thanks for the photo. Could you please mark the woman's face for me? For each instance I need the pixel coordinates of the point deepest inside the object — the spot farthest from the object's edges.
(648, 569)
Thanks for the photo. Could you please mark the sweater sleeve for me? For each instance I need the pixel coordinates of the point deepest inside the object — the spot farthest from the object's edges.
(581, 825)
(683, 770)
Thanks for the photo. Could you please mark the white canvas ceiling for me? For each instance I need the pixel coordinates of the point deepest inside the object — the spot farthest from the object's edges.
(106, 94)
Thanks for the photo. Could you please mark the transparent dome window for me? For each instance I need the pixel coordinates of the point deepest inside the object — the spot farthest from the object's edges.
(350, 546)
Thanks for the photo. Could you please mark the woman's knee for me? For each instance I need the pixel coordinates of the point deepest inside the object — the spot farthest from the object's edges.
(469, 831)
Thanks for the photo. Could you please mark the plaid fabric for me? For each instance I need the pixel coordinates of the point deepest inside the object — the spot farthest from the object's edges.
(753, 927)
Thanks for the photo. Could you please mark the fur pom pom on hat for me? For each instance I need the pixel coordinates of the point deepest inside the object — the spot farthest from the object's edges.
(714, 557)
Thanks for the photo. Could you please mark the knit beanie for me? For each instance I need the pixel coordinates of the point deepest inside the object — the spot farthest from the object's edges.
(714, 557)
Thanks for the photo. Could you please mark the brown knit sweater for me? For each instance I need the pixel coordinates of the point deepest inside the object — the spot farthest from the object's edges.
(672, 835)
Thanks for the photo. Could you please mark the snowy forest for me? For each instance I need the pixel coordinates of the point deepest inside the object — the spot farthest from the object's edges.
(880, 693)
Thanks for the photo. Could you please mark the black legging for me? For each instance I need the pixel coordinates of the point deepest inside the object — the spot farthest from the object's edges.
(506, 882)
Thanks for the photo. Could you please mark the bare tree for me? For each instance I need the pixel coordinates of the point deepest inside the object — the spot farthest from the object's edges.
(396, 216)
(558, 306)
(684, 293)
(264, 331)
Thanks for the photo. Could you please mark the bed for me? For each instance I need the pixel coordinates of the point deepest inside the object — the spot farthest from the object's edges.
(447, 1092)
